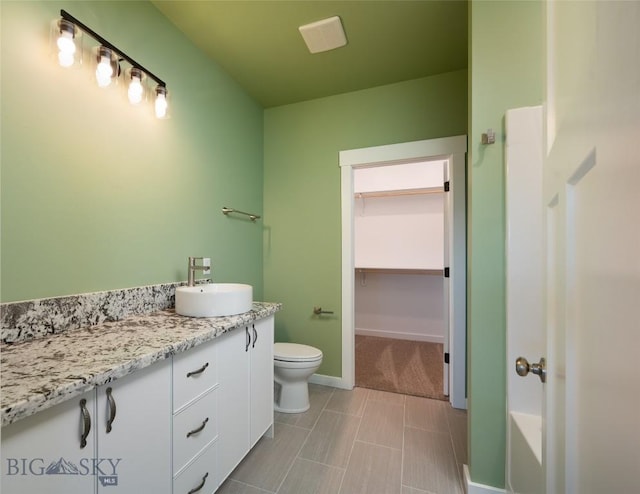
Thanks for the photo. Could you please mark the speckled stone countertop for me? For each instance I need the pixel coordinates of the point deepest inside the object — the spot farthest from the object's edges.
(41, 373)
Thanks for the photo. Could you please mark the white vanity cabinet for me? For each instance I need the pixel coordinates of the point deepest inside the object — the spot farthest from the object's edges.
(245, 366)
(43, 453)
(195, 420)
(178, 426)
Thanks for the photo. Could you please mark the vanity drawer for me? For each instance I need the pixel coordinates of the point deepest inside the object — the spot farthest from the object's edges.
(193, 428)
(194, 372)
(201, 472)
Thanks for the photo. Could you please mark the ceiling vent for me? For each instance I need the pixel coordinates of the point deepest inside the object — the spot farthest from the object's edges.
(323, 35)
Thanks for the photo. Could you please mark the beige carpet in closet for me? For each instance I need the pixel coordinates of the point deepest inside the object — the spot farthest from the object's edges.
(399, 366)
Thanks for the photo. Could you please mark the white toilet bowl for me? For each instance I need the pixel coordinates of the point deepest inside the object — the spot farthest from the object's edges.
(293, 364)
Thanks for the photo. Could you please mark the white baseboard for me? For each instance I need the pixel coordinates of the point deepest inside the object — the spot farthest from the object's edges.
(380, 333)
(334, 382)
(471, 487)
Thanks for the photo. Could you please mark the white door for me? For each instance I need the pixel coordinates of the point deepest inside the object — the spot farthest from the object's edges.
(446, 282)
(455, 286)
(591, 199)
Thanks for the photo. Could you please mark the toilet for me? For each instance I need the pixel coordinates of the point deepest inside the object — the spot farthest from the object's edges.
(293, 364)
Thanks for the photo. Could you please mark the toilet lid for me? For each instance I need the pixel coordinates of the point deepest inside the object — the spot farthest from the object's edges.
(294, 352)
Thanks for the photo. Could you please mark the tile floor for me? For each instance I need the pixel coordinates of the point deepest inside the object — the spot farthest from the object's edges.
(361, 441)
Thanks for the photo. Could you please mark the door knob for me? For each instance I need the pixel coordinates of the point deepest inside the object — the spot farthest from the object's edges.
(540, 369)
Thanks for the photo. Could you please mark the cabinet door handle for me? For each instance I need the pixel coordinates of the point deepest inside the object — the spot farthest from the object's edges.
(86, 423)
(199, 371)
(112, 409)
(248, 338)
(195, 431)
(196, 489)
(255, 336)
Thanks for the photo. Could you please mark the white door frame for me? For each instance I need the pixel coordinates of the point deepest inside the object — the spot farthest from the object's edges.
(525, 308)
(453, 149)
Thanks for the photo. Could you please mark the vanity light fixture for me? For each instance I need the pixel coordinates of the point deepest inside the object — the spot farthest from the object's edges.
(66, 43)
(161, 102)
(135, 91)
(105, 69)
(108, 63)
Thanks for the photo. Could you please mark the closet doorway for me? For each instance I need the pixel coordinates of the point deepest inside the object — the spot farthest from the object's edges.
(417, 272)
(399, 285)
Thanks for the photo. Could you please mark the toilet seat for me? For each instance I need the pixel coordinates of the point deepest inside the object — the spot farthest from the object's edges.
(295, 352)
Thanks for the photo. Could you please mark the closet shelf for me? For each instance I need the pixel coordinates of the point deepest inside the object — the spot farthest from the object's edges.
(400, 192)
(433, 272)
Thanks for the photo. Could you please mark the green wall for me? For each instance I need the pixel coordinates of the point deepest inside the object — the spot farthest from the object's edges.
(302, 248)
(506, 67)
(97, 194)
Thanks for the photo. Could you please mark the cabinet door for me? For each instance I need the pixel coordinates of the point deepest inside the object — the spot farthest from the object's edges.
(261, 372)
(42, 454)
(233, 402)
(135, 454)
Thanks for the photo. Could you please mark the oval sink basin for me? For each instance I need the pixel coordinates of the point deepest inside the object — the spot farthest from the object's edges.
(214, 299)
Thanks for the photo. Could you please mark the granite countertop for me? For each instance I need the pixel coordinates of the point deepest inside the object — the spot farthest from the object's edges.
(41, 373)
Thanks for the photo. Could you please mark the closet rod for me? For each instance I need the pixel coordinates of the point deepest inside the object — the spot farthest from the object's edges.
(434, 272)
(402, 192)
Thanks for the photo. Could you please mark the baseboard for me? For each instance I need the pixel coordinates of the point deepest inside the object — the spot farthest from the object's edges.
(380, 333)
(334, 382)
(475, 488)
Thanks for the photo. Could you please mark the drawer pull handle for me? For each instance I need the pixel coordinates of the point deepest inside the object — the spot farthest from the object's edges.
(255, 336)
(248, 338)
(199, 371)
(196, 489)
(195, 431)
(86, 422)
(112, 409)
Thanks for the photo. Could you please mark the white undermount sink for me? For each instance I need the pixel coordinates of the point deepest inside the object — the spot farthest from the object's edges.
(214, 299)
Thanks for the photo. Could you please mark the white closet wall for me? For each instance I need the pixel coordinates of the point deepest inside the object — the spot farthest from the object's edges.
(399, 251)
(402, 306)
(400, 232)
(404, 177)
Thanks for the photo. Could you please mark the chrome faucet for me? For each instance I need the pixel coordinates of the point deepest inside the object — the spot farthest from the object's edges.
(205, 267)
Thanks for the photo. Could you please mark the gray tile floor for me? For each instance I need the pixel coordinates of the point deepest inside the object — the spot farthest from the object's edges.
(361, 441)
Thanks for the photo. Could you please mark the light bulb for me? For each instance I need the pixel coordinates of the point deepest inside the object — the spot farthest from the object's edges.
(161, 102)
(66, 46)
(65, 59)
(135, 87)
(104, 70)
(66, 43)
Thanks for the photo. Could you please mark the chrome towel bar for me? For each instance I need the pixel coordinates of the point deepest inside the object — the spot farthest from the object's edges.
(226, 211)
